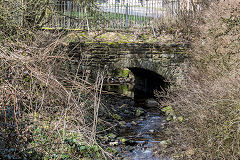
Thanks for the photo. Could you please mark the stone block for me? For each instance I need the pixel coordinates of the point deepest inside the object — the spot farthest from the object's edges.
(163, 59)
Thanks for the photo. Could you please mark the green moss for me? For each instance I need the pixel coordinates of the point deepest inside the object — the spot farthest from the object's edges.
(123, 88)
(111, 135)
(145, 36)
(152, 40)
(171, 115)
(125, 37)
(24, 53)
(60, 28)
(90, 42)
(116, 37)
(123, 140)
(139, 112)
(117, 117)
(181, 53)
(103, 36)
(180, 119)
(83, 35)
(1, 38)
(111, 150)
(123, 73)
(109, 43)
(102, 42)
(72, 38)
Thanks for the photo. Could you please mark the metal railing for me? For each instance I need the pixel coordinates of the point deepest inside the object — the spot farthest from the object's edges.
(113, 14)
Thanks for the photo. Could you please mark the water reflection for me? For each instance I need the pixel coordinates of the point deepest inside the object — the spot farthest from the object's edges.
(126, 89)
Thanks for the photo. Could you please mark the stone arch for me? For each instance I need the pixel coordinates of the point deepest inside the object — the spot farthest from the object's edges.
(146, 82)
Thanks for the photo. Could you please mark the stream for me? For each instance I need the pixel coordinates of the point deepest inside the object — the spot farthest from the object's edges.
(142, 126)
(146, 135)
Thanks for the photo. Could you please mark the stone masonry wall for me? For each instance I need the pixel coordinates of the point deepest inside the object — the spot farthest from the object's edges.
(164, 59)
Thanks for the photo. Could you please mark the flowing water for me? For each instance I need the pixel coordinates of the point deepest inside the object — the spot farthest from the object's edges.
(145, 132)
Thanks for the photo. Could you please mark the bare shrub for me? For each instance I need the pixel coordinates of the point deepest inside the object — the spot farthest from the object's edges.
(47, 108)
(184, 24)
(209, 101)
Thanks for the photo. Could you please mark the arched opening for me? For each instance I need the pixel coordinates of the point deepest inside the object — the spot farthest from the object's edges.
(120, 81)
(137, 83)
(146, 82)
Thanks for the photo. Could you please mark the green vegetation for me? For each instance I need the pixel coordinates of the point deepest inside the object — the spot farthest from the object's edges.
(124, 73)
(117, 117)
(116, 38)
(171, 115)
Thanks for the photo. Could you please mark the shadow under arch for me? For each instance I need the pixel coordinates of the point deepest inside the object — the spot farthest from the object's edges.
(146, 82)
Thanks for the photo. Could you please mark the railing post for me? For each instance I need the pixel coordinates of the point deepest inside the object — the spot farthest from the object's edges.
(126, 20)
(69, 13)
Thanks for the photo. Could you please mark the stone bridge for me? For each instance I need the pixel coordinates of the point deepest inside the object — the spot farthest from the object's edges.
(163, 59)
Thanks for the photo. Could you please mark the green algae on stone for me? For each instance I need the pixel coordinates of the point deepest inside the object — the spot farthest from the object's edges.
(116, 37)
(123, 88)
(75, 37)
(111, 135)
(117, 117)
(123, 73)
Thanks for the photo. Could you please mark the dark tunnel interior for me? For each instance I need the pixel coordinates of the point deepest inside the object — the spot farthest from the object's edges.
(146, 82)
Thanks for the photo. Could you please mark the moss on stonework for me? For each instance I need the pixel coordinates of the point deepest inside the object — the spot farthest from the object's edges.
(123, 88)
(113, 38)
(109, 43)
(124, 73)
(1, 38)
(181, 53)
(75, 37)
(116, 37)
(148, 38)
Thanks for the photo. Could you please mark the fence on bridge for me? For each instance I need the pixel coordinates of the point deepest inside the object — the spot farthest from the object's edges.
(115, 14)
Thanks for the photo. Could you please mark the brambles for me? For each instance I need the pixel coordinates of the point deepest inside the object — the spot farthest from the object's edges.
(47, 111)
(209, 100)
(44, 103)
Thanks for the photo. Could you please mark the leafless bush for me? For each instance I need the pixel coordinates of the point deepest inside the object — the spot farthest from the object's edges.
(209, 100)
(47, 109)
(185, 23)
(43, 102)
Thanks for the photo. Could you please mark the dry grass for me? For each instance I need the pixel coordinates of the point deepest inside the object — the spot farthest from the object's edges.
(209, 101)
(185, 24)
(47, 108)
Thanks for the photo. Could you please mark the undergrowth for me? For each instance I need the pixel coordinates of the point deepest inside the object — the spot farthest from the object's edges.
(209, 99)
(47, 109)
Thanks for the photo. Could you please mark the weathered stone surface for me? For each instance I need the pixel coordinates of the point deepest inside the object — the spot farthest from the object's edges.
(162, 59)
